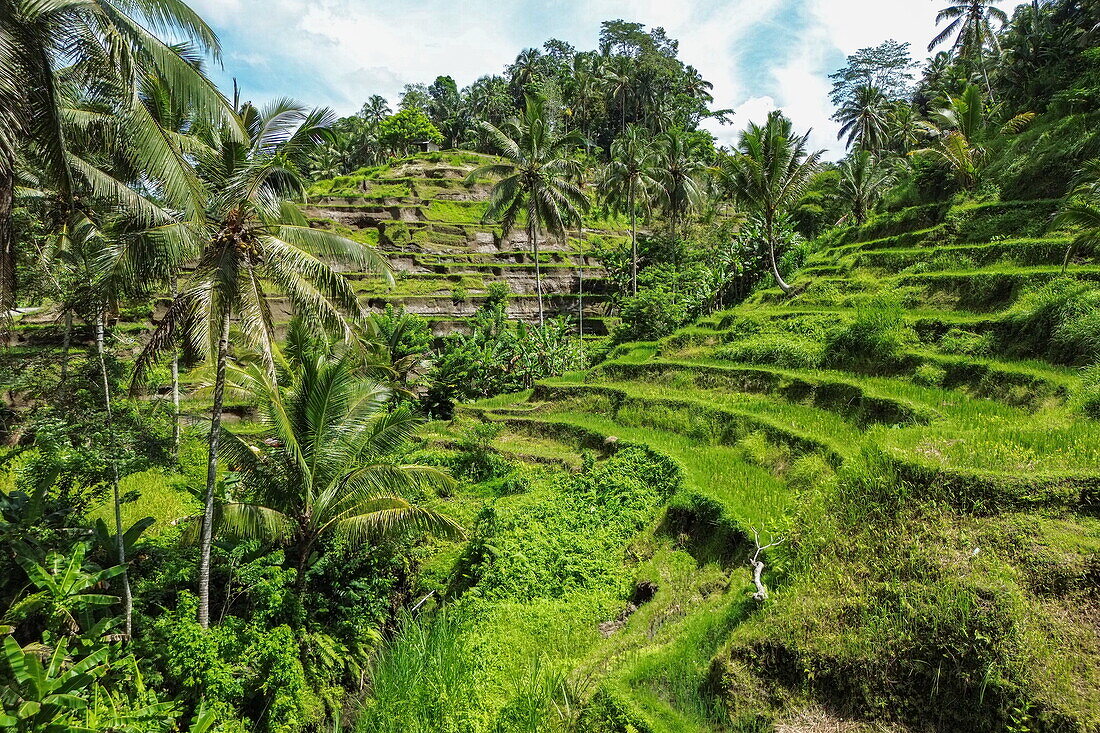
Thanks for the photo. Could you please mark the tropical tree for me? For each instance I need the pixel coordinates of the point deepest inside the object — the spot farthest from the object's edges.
(865, 119)
(679, 169)
(1082, 211)
(375, 109)
(768, 173)
(72, 71)
(629, 182)
(536, 178)
(961, 130)
(974, 24)
(863, 180)
(324, 465)
(252, 238)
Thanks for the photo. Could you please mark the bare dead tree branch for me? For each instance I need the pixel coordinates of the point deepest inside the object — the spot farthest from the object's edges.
(757, 565)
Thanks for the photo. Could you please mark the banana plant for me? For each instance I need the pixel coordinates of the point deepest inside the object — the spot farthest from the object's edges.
(45, 696)
(105, 539)
(65, 592)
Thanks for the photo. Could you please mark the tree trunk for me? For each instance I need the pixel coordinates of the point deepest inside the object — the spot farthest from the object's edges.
(775, 267)
(580, 278)
(175, 380)
(120, 539)
(633, 244)
(207, 538)
(303, 561)
(65, 344)
(7, 240)
(533, 241)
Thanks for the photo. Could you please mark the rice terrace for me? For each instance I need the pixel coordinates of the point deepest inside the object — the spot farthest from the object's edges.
(604, 367)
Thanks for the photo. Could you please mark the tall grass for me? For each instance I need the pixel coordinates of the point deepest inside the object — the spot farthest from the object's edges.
(421, 681)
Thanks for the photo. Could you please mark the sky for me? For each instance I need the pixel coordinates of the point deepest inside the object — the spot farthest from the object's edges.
(759, 54)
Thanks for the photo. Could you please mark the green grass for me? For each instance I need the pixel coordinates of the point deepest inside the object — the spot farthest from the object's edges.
(149, 494)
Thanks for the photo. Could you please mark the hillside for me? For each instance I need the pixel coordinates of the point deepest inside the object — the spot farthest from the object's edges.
(908, 425)
(429, 222)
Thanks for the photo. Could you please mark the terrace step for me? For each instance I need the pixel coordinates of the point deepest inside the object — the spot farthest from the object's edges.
(858, 403)
(723, 417)
(740, 495)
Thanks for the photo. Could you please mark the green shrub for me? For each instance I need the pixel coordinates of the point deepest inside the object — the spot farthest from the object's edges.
(930, 375)
(650, 315)
(1060, 320)
(1088, 396)
(780, 350)
(876, 336)
(967, 343)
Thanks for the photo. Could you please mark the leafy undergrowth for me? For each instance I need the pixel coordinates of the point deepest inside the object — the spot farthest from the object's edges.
(913, 428)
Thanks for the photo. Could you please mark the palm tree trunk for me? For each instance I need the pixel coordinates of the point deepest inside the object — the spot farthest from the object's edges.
(207, 539)
(1065, 260)
(580, 278)
(303, 561)
(120, 539)
(7, 239)
(66, 342)
(633, 245)
(533, 242)
(175, 380)
(775, 267)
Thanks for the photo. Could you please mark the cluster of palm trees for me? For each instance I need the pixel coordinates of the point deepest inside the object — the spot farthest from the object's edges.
(156, 182)
(541, 185)
(953, 121)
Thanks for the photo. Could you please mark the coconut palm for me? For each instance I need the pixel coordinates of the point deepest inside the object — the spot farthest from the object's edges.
(679, 171)
(253, 238)
(865, 119)
(768, 173)
(972, 23)
(100, 52)
(628, 182)
(1082, 212)
(375, 109)
(324, 466)
(537, 178)
(617, 81)
(961, 131)
(863, 180)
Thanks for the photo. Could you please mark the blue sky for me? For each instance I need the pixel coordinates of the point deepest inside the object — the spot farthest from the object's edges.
(760, 54)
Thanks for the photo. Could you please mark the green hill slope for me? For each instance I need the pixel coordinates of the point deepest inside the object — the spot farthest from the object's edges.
(429, 222)
(909, 427)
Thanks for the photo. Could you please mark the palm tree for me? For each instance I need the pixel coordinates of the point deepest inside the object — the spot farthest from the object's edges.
(865, 119)
(629, 180)
(323, 465)
(971, 22)
(960, 132)
(863, 179)
(536, 178)
(252, 237)
(679, 170)
(617, 81)
(769, 172)
(375, 109)
(55, 52)
(1082, 211)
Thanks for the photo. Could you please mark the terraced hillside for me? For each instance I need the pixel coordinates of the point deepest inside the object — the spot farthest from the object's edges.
(430, 224)
(909, 426)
